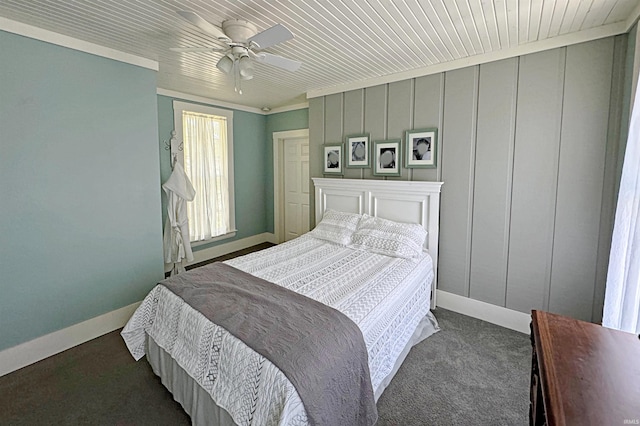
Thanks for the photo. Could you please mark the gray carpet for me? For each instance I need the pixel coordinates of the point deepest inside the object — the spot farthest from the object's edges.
(471, 373)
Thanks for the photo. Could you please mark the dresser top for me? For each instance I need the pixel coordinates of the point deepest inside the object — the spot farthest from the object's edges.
(590, 374)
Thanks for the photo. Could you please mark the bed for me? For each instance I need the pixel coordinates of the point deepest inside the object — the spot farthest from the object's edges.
(346, 263)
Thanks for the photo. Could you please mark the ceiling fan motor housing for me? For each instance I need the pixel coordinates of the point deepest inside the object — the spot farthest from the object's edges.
(239, 31)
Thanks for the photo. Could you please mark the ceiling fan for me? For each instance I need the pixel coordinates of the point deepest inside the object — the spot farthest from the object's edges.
(243, 45)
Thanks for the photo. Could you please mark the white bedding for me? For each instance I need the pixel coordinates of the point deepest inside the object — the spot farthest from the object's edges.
(386, 297)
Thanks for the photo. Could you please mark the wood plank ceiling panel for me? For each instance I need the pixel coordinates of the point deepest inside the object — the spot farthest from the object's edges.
(338, 42)
(619, 12)
(481, 24)
(443, 12)
(597, 14)
(502, 22)
(569, 16)
(524, 20)
(384, 31)
(414, 26)
(558, 17)
(450, 38)
(535, 13)
(489, 15)
(581, 14)
(430, 31)
(471, 25)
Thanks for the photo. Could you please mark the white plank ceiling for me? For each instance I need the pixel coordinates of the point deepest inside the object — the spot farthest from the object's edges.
(338, 42)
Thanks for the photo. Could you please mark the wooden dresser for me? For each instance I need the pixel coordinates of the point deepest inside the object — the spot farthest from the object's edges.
(583, 373)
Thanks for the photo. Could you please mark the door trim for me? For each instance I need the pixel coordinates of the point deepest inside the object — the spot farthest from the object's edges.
(278, 177)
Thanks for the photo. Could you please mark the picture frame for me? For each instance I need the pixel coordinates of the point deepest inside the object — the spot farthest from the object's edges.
(387, 156)
(332, 158)
(421, 148)
(358, 152)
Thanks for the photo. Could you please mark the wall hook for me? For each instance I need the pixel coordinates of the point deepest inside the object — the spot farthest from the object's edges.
(173, 146)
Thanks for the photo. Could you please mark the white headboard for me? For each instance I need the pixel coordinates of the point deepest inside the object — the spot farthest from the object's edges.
(402, 201)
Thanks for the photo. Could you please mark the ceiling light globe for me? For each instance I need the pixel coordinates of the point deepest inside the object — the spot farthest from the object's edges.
(225, 64)
(245, 66)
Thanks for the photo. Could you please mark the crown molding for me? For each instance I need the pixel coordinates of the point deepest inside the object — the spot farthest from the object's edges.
(36, 33)
(208, 101)
(229, 105)
(286, 108)
(538, 46)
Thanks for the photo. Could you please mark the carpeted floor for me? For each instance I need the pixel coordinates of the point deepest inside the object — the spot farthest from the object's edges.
(471, 372)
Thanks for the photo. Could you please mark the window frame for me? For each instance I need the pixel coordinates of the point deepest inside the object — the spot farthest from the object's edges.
(178, 108)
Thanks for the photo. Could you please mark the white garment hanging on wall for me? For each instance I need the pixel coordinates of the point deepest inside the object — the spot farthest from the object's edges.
(177, 246)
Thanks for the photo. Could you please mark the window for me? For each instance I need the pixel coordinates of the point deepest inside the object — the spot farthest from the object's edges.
(207, 157)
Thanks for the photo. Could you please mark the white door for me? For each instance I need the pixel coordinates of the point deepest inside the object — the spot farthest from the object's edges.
(296, 187)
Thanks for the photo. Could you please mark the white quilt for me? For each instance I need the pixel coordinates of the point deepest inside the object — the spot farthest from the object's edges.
(385, 296)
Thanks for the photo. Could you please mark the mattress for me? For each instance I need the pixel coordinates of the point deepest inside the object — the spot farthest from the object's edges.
(387, 297)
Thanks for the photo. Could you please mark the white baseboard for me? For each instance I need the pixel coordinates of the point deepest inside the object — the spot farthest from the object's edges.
(222, 249)
(494, 314)
(27, 353)
(30, 352)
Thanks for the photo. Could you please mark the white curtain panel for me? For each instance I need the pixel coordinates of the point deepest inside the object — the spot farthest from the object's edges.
(205, 162)
(622, 297)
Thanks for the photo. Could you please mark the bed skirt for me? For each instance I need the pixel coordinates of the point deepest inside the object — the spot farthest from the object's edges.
(203, 409)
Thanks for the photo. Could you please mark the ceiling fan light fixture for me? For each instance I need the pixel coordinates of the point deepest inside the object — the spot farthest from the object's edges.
(225, 64)
(245, 66)
(242, 39)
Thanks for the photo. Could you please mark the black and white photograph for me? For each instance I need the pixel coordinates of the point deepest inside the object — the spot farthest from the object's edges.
(420, 148)
(387, 158)
(333, 158)
(358, 151)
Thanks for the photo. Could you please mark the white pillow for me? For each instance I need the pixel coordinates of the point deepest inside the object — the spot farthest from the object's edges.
(405, 240)
(337, 227)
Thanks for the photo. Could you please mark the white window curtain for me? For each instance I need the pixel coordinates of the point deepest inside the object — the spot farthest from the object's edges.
(622, 296)
(206, 163)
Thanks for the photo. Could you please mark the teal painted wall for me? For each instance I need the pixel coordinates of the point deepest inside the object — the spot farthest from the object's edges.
(280, 122)
(79, 216)
(249, 162)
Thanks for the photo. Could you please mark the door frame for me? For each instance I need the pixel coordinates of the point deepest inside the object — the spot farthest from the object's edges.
(278, 178)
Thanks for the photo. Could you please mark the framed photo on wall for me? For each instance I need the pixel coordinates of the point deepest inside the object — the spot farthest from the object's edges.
(357, 151)
(332, 159)
(387, 157)
(421, 148)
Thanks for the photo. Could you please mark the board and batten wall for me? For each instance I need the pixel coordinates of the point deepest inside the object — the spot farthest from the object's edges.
(527, 153)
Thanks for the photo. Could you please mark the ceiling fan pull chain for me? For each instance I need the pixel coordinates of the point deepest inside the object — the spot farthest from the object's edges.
(235, 76)
(238, 77)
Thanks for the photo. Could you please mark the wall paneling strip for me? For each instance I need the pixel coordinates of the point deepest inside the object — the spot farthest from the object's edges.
(535, 177)
(458, 164)
(493, 180)
(580, 178)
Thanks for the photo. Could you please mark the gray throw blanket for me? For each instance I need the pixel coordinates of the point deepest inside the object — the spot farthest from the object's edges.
(318, 348)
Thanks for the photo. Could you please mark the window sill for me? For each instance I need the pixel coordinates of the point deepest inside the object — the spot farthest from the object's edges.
(214, 239)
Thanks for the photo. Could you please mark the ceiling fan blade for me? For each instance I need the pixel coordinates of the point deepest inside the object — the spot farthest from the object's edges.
(278, 61)
(196, 49)
(271, 36)
(204, 25)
